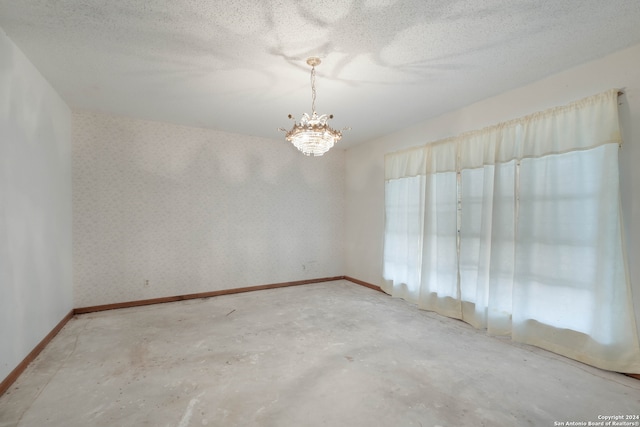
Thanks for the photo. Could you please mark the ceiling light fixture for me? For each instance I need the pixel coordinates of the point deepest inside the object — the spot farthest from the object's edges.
(313, 136)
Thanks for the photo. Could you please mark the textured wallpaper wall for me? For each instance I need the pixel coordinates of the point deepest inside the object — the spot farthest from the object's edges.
(162, 210)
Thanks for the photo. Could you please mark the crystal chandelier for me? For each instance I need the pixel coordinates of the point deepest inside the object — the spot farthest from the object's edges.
(313, 136)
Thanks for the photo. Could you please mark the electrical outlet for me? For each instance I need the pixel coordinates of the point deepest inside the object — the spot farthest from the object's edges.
(146, 283)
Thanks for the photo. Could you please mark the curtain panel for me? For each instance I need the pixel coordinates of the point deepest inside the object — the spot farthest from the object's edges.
(516, 229)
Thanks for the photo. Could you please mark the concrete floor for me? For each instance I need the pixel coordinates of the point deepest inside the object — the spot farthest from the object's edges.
(327, 354)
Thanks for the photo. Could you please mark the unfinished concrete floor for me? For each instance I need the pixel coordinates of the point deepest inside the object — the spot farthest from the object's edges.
(327, 354)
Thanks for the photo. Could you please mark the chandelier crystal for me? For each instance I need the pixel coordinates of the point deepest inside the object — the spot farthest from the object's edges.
(313, 135)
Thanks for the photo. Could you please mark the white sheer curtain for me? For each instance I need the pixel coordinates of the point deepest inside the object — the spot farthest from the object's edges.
(439, 285)
(516, 229)
(404, 205)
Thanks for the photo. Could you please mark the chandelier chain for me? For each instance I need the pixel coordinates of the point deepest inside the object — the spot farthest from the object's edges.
(313, 89)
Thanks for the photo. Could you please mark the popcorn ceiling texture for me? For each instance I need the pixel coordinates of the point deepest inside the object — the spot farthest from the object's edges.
(194, 210)
(386, 64)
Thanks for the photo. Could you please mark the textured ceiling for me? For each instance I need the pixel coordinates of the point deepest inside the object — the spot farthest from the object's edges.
(239, 65)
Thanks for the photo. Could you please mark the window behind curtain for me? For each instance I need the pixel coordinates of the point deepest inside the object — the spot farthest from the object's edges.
(516, 229)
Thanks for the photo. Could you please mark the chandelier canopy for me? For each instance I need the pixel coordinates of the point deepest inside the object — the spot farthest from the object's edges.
(313, 135)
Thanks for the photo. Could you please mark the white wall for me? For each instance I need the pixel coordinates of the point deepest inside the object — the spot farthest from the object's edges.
(365, 163)
(195, 210)
(35, 207)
